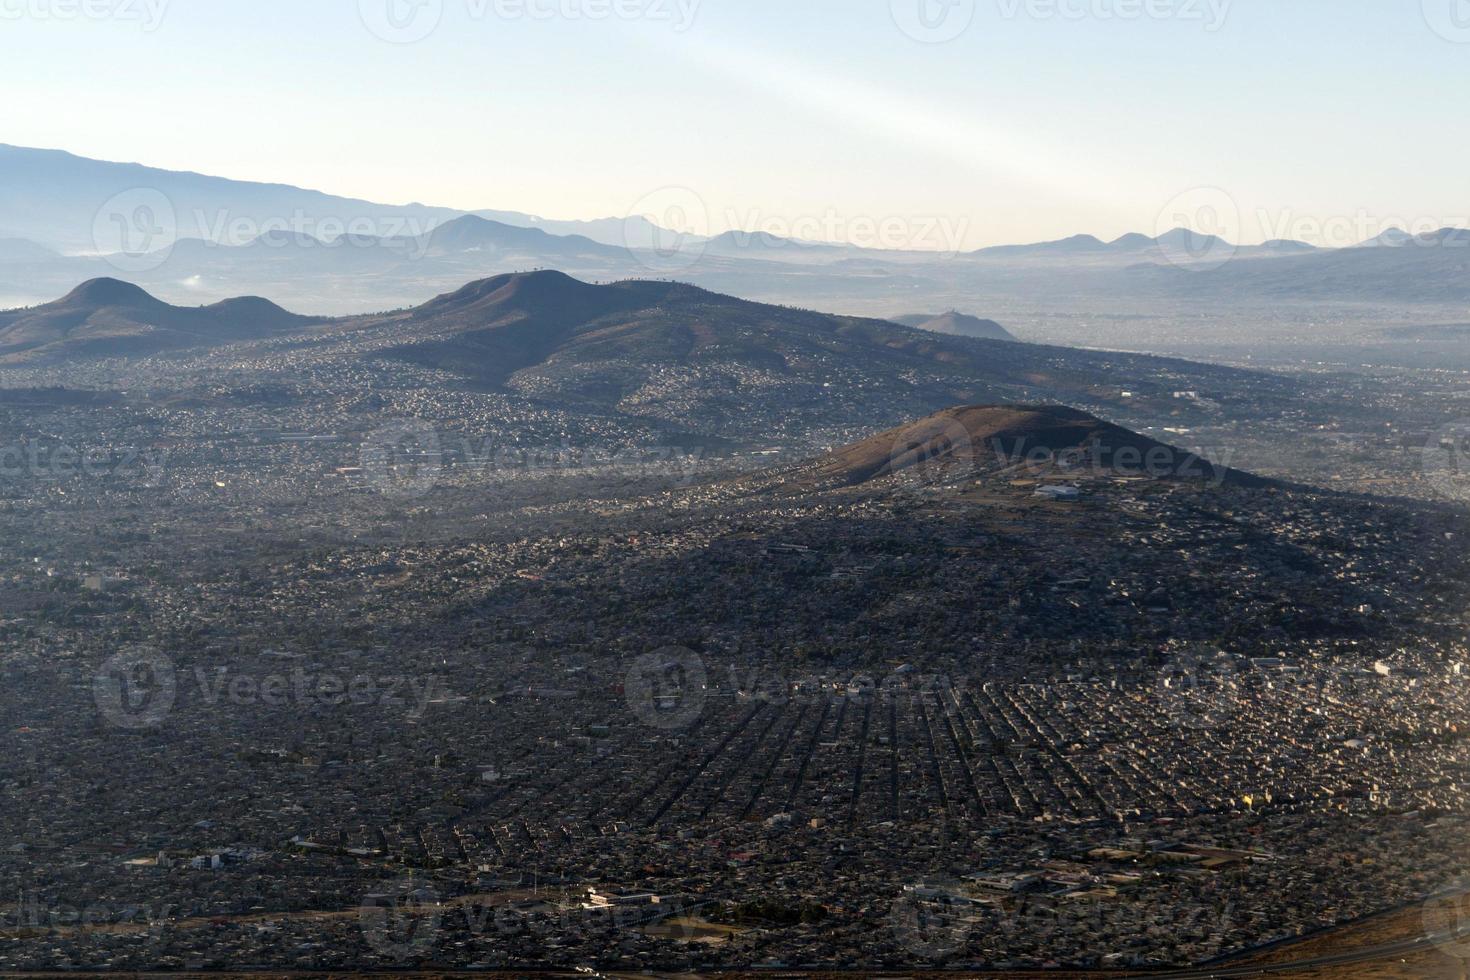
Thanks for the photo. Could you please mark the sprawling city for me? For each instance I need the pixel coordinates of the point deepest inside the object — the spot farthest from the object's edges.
(408, 590)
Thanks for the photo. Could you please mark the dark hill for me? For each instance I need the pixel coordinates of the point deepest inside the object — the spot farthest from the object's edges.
(100, 293)
(547, 320)
(957, 325)
(495, 327)
(545, 294)
(111, 318)
(708, 362)
(245, 315)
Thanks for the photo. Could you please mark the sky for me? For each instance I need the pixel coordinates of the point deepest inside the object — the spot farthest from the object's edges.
(900, 123)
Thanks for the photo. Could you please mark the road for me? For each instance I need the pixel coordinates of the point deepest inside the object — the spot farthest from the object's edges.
(1372, 954)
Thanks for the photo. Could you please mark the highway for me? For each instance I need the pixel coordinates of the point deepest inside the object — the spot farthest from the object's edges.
(1370, 954)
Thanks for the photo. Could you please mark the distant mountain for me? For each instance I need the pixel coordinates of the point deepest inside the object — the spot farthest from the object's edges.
(634, 231)
(268, 261)
(764, 246)
(1392, 238)
(1413, 269)
(1284, 246)
(109, 318)
(1021, 440)
(1085, 246)
(61, 201)
(347, 274)
(1189, 241)
(1076, 245)
(957, 325)
(1179, 244)
(774, 248)
(475, 234)
(1442, 238)
(458, 237)
(1131, 242)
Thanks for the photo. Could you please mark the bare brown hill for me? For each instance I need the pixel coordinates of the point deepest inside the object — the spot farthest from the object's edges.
(1027, 440)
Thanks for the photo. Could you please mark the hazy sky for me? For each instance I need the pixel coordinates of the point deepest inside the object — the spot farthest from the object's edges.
(1042, 118)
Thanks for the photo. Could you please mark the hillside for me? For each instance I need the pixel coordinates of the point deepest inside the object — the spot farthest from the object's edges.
(52, 197)
(110, 318)
(957, 324)
(1042, 441)
(690, 357)
(658, 356)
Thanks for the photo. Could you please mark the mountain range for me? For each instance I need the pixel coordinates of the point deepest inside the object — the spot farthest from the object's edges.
(1401, 268)
(665, 354)
(54, 198)
(1180, 291)
(1179, 242)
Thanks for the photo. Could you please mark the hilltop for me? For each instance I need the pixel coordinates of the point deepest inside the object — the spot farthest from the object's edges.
(689, 357)
(1050, 441)
(956, 324)
(110, 318)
